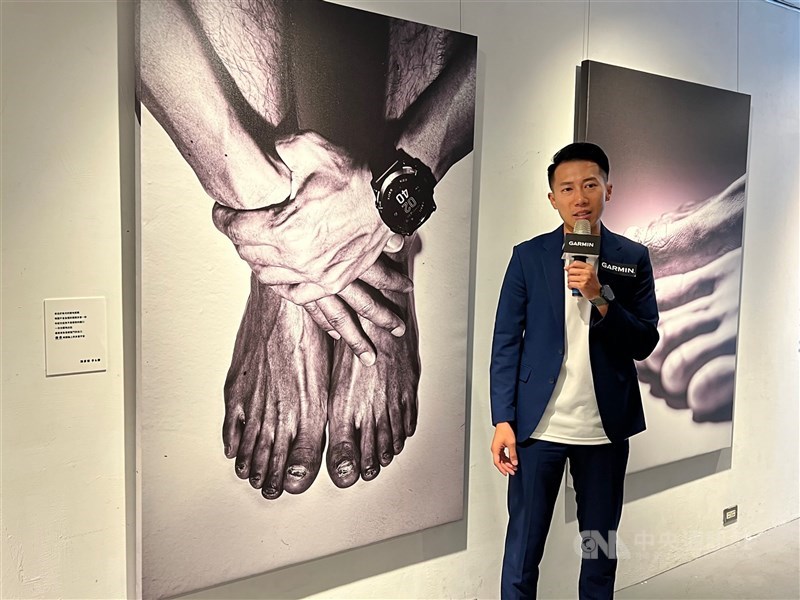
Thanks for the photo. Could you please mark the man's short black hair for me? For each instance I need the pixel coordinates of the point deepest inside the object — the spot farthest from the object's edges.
(579, 151)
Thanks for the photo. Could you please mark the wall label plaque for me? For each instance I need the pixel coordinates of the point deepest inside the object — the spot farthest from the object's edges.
(75, 335)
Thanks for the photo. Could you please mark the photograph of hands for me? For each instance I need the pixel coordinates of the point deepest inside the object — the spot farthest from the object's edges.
(273, 135)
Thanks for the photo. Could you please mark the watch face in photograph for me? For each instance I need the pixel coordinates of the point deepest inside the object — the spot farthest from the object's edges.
(406, 201)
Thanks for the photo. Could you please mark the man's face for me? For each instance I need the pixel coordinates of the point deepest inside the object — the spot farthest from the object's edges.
(579, 192)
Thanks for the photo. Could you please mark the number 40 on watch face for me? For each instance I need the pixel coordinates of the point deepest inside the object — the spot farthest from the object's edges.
(406, 200)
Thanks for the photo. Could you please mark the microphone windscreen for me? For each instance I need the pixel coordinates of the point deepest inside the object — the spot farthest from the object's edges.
(583, 227)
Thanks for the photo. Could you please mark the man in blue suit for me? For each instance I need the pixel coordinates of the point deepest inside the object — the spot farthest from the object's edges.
(563, 379)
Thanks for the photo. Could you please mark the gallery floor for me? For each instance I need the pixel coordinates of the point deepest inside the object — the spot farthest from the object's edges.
(764, 566)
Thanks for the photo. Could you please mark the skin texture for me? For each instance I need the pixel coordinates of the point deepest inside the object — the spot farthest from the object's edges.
(336, 314)
(372, 411)
(696, 254)
(276, 394)
(234, 29)
(693, 365)
(437, 128)
(191, 93)
(218, 87)
(334, 207)
(217, 77)
(280, 392)
(417, 56)
(694, 234)
(334, 203)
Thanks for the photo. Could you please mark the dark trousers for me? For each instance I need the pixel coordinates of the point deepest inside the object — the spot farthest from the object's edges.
(598, 474)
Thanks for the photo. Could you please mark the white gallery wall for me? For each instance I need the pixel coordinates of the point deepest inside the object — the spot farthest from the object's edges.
(64, 487)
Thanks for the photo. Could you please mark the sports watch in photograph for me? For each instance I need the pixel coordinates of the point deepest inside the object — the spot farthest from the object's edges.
(403, 188)
(606, 296)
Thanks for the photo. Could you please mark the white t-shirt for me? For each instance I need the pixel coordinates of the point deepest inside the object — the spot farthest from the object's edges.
(571, 416)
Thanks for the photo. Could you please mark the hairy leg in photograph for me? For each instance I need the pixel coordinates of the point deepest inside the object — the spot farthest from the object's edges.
(329, 233)
(190, 82)
(373, 411)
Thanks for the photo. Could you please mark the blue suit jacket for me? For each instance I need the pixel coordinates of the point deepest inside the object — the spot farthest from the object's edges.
(528, 343)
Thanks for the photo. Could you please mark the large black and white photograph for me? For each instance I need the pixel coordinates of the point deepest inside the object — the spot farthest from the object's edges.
(305, 198)
(679, 173)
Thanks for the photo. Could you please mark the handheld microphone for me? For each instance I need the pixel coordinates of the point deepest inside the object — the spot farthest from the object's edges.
(580, 245)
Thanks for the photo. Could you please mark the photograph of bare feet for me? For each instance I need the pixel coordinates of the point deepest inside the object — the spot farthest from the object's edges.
(276, 395)
(306, 196)
(680, 167)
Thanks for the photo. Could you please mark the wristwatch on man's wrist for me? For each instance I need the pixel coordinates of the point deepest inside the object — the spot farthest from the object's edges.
(403, 188)
(606, 296)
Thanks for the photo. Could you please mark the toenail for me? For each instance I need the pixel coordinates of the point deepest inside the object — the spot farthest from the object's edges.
(256, 478)
(270, 493)
(387, 456)
(370, 472)
(241, 466)
(227, 450)
(344, 468)
(297, 471)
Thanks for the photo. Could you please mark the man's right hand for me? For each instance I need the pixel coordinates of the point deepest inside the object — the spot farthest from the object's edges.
(504, 440)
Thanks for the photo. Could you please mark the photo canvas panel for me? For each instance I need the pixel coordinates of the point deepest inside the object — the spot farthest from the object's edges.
(209, 71)
(678, 156)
